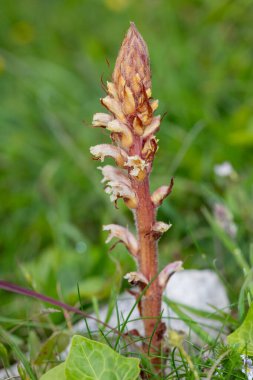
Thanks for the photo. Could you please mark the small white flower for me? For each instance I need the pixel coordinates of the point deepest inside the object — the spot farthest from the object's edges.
(137, 166)
(118, 190)
(225, 219)
(247, 367)
(101, 119)
(118, 185)
(168, 271)
(161, 193)
(113, 174)
(224, 170)
(136, 278)
(161, 227)
(117, 127)
(124, 235)
(107, 150)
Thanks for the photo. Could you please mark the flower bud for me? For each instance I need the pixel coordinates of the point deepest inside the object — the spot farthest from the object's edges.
(149, 148)
(132, 68)
(153, 127)
(114, 106)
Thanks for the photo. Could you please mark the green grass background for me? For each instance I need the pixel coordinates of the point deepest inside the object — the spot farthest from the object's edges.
(52, 56)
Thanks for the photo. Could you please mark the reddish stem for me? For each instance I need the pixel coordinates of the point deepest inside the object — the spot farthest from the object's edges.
(145, 217)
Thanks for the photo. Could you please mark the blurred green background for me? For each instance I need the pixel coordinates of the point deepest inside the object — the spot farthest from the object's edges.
(52, 56)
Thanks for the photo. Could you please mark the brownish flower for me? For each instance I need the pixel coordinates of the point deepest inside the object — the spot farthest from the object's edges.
(132, 68)
(129, 93)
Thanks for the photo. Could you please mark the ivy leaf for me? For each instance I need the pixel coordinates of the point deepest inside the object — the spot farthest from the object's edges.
(243, 336)
(90, 360)
(56, 373)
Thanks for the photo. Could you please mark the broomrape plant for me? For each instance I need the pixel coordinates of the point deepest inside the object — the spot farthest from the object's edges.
(132, 125)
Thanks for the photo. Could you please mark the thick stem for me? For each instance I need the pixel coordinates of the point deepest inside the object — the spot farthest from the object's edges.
(145, 215)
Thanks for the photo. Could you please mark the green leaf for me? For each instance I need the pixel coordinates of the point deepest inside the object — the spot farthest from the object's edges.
(227, 241)
(243, 336)
(57, 342)
(94, 286)
(4, 359)
(214, 315)
(90, 360)
(56, 373)
(245, 291)
(18, 353)
(194, 326)
(34, 345)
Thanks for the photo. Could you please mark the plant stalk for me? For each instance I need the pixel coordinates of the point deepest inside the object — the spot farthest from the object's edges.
(145, 217)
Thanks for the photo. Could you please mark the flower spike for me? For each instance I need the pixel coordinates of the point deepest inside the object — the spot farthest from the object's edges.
(132, 68)
(132, 126)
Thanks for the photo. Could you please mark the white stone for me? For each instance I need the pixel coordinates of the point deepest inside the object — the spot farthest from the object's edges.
(202, 290)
